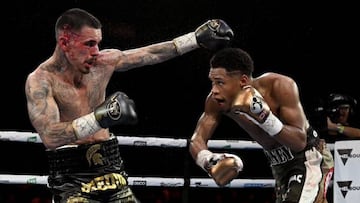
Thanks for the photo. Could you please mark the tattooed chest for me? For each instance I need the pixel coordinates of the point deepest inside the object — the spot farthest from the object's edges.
(74, 101)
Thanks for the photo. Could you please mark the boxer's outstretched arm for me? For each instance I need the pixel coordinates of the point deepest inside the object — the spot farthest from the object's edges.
(212, 35)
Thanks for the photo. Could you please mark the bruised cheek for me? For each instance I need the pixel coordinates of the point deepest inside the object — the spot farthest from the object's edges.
(80, 53)
(80, 49)
(83, 52)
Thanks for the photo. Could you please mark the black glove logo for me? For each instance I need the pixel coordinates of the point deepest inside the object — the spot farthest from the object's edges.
(213, 161)
(114, 110)
(256, 105)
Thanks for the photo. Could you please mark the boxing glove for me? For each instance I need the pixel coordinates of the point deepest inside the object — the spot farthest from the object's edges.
(222, 167)
(251, 104)
(212, 35)
(116, 109)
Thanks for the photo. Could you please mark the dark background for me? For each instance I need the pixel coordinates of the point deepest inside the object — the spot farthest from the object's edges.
(315, 42)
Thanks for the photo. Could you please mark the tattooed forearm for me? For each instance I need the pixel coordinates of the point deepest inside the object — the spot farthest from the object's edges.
(148, 55)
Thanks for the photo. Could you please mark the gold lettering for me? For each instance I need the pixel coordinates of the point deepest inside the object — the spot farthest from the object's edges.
(86, 187)
(77, 200)
(108, 181)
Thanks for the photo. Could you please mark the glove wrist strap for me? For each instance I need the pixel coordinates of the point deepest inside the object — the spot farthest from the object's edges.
(185, 43)
(202, 158)
(272, 125)
(85, 126)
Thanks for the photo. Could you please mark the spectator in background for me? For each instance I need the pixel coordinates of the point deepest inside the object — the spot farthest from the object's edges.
(342, 122)
(335, 118)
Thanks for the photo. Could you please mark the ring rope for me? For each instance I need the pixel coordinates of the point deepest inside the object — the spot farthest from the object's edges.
(31, 137)
(150, 181)
(17, 136)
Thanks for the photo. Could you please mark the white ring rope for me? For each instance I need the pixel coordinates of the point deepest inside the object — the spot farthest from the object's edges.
(17, 136)
(150, 181)
(143, 141)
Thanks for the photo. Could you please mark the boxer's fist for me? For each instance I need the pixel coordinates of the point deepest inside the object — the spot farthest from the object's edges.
(116, 109)
(214, 35)
(223, 168)
(251, 104)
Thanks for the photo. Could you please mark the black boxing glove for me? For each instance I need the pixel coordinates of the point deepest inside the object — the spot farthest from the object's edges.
(116, 109)
(212, 35)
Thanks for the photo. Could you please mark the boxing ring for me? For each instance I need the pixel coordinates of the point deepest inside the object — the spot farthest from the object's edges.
(186, 181)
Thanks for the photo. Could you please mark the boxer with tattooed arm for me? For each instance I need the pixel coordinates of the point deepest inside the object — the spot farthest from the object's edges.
(68, 107)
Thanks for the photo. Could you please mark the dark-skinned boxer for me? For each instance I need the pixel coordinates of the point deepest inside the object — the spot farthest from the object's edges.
(268, 108)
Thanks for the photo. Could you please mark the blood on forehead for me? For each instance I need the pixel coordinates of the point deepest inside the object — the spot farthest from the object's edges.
(68, 33)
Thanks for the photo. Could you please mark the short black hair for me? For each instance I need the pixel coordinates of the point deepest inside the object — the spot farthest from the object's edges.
(74, 19)
(233, 59)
